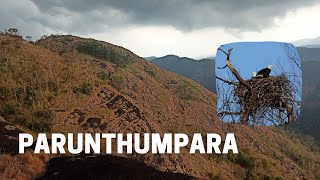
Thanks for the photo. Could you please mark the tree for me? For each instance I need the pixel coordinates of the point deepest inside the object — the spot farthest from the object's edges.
(13, 31)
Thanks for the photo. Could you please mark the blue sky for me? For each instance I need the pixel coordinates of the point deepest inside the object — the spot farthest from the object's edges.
(248, 57)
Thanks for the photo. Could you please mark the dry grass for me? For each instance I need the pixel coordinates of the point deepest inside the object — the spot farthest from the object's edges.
(24, 166)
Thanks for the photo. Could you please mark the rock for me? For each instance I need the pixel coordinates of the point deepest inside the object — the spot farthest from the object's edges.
(103, 126)
(104, 167)
(94, 121)
(9, 137)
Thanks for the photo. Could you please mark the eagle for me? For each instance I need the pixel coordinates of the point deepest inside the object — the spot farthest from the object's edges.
(263, 73)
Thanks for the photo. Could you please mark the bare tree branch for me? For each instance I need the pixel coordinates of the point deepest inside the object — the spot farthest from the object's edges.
(226, 81)
(235, 72)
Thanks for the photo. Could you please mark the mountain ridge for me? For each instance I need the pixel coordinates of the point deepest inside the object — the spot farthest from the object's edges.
(307, 42)
(202, 71)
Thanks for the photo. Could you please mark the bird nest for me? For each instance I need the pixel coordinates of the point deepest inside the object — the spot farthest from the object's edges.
(271, 92)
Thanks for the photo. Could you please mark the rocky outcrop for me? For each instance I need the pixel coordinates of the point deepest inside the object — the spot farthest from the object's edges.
(104, 167)
(127, 116)
(9, 137)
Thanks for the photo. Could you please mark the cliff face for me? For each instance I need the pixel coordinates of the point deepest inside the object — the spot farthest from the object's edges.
(71, 84)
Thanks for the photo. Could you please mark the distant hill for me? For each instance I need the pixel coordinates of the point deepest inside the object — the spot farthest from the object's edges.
(150, 58)
(308, 54)
(310, 42)
(310, 119)
(202, 71)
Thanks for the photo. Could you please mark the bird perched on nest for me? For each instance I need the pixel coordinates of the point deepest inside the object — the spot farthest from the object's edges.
(263, 73)
(254, 74)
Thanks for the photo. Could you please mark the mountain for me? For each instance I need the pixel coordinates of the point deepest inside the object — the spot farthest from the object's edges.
(72, 84)
(308, 54)
(310, 42)
(202, 71)
(309, 123)
(150, 58)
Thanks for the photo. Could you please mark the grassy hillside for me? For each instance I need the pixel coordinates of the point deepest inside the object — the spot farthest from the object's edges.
(71, 84)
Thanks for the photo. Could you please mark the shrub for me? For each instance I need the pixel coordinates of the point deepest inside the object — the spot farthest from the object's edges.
(151, 73)
(44, 114)
(103, 76)
(230, 156)
(117, 82)
(105, 53)
(41, 121)
(245, 161)
(184, 91)
(85, 89)
(40, 126)
(19, 92)
(3, 93)
(8, 109)
(22, 166)
(214, 177)
(30, 96)
(53, 87)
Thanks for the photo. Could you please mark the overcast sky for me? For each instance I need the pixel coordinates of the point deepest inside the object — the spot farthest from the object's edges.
(193, 28)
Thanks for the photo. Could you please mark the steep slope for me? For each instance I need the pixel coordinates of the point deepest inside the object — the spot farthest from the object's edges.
(202, 71)
(71, 84)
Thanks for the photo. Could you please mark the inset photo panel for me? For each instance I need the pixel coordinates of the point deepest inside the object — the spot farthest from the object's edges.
(258, 83)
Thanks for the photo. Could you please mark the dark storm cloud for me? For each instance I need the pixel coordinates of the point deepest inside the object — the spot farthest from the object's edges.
(186, 15)
(84, 16)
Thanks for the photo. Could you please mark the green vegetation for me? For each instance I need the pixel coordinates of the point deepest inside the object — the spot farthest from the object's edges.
(230, 156)
(117, 82)
(105, 53)
(103, 76)
(245, 161)
(41, 121)
(84, 89)
(214, 177)
(242, 159)
(151, 72)
(185, 92)
(9, 109)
